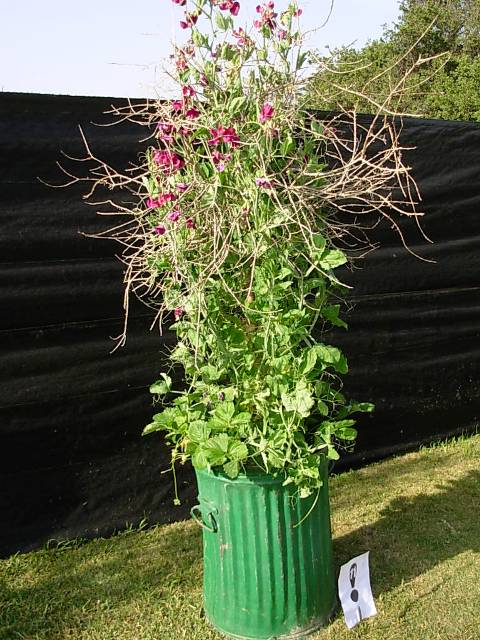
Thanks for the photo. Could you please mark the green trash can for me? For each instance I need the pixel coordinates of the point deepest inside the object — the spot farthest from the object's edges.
(268, 567)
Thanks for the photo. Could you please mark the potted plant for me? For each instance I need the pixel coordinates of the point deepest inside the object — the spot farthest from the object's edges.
(236, 236)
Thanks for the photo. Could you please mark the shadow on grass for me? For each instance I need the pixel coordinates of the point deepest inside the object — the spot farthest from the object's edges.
(415, 534)
(71, 587)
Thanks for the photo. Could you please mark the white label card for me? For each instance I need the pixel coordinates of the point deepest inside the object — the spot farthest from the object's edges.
(355, 591)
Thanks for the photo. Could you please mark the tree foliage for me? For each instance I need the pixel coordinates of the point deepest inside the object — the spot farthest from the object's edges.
(444, 32)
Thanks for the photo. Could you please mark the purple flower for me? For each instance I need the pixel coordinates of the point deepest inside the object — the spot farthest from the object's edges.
(190, 20)
(160, 230)
(178, 313)
(190, 224)
(170, 161)
(181, 186)
(174, 215)
(192, 113)
(263, 182)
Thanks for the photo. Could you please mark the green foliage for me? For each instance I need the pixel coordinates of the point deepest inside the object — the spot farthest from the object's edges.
(446, 87)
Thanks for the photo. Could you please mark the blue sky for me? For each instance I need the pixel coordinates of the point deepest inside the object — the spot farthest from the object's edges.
(116, 48)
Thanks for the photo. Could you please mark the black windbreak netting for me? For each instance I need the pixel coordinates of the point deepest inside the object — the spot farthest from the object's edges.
(73, 463)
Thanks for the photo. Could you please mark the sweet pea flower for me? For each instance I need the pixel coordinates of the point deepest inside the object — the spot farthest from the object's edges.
(177, 105)
(152, 203)
(188, 92)
(266, 113)
(298, 13)
(224, 134)
(192, 113)
(174, 215)
(219, 160)
(166, 131)
(170, 161)
(263, 182)
(182, 186)
(181, 3)
(160, 230)
(267, 15)
(229, 5)
(190, 224)
(242, 39)
(178, 313)
(190, 20)
(163, 198)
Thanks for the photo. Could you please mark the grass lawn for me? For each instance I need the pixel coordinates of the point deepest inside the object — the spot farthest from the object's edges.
(418, 514)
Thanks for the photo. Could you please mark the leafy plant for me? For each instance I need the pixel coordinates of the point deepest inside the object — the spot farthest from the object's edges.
(239, 226)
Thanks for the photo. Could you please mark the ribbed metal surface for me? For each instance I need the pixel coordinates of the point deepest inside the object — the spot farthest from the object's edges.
(265, 575)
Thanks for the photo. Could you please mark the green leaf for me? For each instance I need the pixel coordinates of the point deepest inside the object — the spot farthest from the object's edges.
(332, 258)
(231, 468)
(210, 373)
(224, 412)
(236, 104)
(152, 427)
(308, 361)
(300, 401)
(161, 387)
(330, 313)
(238, 450)
(199, 459)
(198, 431)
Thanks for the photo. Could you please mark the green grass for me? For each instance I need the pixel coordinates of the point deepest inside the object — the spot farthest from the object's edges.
(418, 514)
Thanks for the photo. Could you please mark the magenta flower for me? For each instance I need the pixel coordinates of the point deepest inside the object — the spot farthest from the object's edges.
(181, 3)
(298, 13)
(174, 215)
(203, 80)
(169, 161)
(224, 134)
(190, 20)
(229, 5)
(219, 160)
(266, 113)
(192, 113)
(152, 203)
(163, 198)
(190, 224)
(182, 187)
(267, 15)
(178, 313)
(263, 182)
(188, 92)
(166, 131)
(177, 105)
(160, 230)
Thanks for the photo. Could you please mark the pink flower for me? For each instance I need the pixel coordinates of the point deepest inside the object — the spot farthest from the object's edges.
(229, 5)
(163, 198)
(166, 131)
(203, 80)
(182, 187)
(192, 113)
(190, 224)
(170, 161)
(263, 182)
(266, 113)
(152, 203)
(190, 20)
(298, 13)
(188, 92)
(160, 230)
(282, 34)
(267, 15)
(181, 3)
(224, 134)
(242, 38)
(219, 159)
(177, 105)
(178, 313)
(174, 215)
